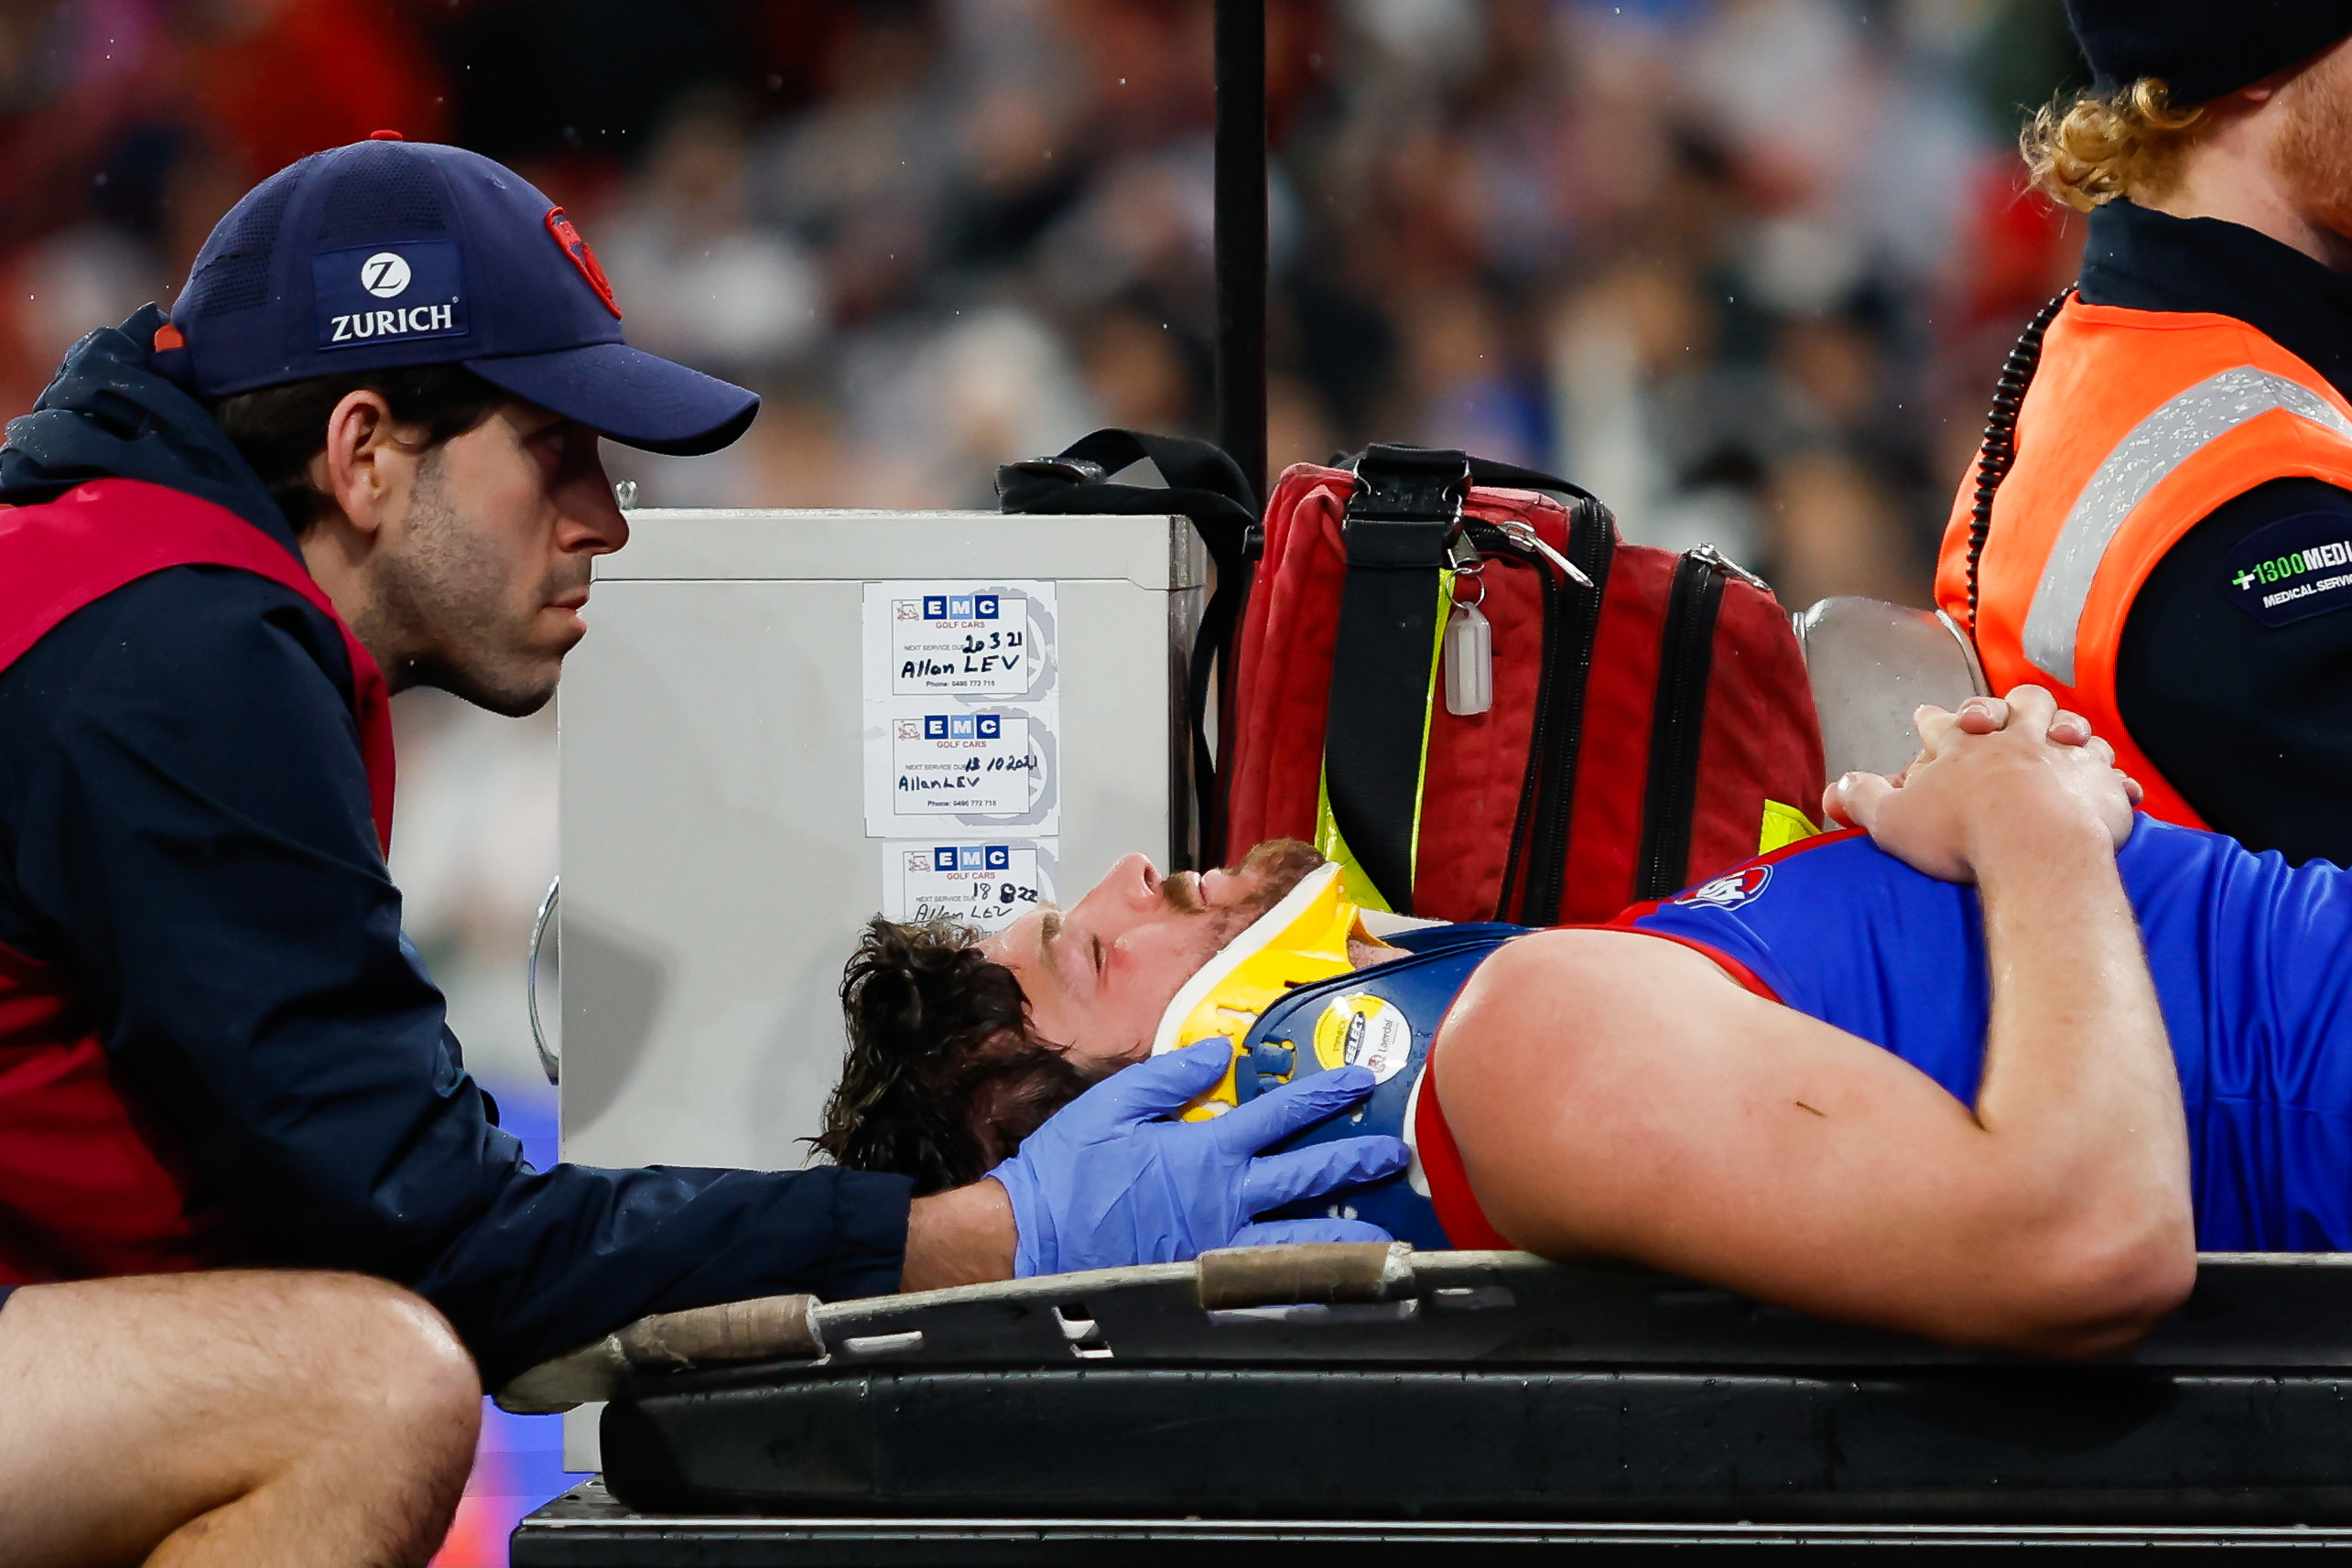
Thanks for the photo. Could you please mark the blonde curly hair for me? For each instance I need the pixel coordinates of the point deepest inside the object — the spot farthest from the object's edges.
(2105, 145)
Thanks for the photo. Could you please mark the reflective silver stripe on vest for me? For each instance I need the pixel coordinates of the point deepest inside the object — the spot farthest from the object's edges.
(2141, 461)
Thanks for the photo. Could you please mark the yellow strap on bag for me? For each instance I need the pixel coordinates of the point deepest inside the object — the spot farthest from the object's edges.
(1783, 826)
(1328, 839)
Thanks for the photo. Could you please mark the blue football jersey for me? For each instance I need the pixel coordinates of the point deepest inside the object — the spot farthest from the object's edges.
(2251, 962)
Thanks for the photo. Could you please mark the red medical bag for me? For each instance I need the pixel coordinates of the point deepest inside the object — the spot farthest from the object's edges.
(1649, 725)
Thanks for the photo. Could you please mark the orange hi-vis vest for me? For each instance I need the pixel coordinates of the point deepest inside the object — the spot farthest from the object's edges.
(2138, 424)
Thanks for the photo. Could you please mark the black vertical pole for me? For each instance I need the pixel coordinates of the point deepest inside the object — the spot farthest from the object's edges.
(1241, 199)
(1242, 236)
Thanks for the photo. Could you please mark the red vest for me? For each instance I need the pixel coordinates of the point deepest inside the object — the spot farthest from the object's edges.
(91, 1182)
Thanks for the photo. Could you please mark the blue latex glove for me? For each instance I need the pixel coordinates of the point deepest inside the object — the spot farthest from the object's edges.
(1109, 1181)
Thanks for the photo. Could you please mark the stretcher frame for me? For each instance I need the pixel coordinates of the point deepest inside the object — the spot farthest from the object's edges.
(586, 1528)
(1414, 1404)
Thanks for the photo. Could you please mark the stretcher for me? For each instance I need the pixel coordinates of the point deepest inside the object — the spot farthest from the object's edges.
(1426, 1402)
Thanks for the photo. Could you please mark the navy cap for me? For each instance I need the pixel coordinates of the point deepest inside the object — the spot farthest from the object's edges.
(2201, 50)
(388, 252)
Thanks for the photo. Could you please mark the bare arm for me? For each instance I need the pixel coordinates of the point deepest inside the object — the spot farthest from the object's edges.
(1684, 1122)
(962, 1236)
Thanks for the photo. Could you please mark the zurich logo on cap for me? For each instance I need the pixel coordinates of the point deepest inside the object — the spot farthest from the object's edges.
(387, 253)
(365, 295)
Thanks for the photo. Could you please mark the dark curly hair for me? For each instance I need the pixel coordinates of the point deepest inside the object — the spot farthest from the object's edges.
(944, 1077)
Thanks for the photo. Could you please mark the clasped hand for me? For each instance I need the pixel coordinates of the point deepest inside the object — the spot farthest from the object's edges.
(1993, 774)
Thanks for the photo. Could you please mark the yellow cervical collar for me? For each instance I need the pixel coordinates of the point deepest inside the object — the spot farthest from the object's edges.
(1297, 942)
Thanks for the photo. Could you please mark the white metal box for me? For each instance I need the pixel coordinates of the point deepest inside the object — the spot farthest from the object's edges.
(716, 864)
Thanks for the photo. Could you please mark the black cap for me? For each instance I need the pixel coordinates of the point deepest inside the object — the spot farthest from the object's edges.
(2199, 48)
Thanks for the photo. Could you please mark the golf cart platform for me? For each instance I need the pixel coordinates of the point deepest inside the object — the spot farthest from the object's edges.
(1380, 1404)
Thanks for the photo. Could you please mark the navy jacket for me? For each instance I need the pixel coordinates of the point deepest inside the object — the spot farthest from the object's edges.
(184, 825)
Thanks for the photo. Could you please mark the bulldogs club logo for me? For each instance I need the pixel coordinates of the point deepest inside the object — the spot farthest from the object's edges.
(1729, 891)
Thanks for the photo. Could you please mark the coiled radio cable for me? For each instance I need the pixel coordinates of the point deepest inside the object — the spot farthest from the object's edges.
(1998, 453)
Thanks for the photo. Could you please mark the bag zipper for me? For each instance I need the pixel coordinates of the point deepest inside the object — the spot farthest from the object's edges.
(1592, 546)
(1728, 567)
(1494, 538)
(1531, 540)
(1685, 662)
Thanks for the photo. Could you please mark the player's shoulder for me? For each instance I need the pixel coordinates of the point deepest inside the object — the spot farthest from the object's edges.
(1825, 857)
(2160, 853)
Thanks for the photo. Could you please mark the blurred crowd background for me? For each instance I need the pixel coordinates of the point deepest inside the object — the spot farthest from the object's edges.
(1739, 266)
(1745, 268)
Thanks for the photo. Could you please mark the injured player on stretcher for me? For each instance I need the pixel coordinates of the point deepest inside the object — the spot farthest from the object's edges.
(1989, 1068)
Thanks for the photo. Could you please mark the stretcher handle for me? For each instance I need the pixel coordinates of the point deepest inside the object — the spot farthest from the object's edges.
(768, 1328)
(1309, 1273)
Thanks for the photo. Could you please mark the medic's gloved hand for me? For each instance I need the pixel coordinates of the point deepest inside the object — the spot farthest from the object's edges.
(1109, 1181)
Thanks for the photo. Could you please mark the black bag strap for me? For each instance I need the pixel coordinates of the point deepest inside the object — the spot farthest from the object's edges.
(1510, 476)
(1404, 513)
(1493, 473)
(1203, 484)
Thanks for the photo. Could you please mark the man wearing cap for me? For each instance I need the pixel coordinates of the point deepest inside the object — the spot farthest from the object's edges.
(2162, 530)
(361, 456)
